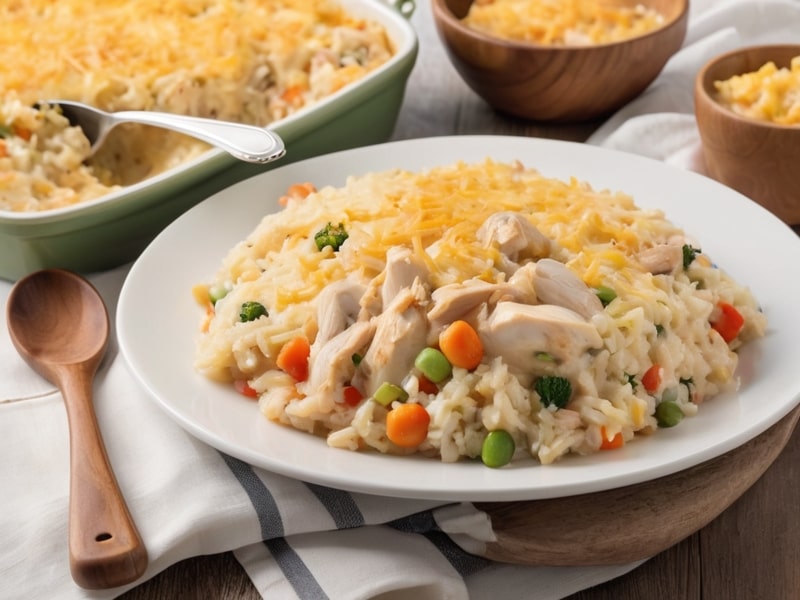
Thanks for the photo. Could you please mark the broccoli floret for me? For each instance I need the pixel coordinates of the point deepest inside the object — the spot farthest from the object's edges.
(331, 235)
(251, 311)
(689, 254)
(553, 390)
(631, 379)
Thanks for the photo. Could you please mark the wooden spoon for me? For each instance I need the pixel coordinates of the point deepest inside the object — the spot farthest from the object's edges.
(59, 325)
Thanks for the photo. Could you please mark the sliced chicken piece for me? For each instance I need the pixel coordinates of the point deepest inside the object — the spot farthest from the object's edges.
(400, 333)
(371, 303)
(473, 298)
(331, 369)
(661, 259)
(338, 306)
(402, 268)
(456, 300)
(522, 282)
(518, 332)
(514, 235)
(555, 283)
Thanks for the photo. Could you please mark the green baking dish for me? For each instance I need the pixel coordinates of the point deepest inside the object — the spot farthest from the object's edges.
(114, 229)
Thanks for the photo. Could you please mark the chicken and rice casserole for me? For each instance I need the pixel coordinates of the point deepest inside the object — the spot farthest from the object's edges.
(518, 315)
(253, 61)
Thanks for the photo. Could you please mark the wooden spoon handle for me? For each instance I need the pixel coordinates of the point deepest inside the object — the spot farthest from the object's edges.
(105, 548)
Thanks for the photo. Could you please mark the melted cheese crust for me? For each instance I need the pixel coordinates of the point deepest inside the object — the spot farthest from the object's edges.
(250, 60)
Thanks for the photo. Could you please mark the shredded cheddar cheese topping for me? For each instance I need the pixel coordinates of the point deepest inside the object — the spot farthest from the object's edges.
(437, 214)
(767, 94)
(561, 22)
(157, 54)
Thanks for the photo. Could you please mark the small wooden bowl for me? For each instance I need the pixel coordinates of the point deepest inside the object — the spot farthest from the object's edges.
(559, 83)
(755, 157)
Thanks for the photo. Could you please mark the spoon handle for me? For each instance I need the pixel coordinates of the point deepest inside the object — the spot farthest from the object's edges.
(245, 142)
(105, 548)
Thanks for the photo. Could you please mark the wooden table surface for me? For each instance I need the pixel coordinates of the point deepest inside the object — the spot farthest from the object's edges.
(750, 552)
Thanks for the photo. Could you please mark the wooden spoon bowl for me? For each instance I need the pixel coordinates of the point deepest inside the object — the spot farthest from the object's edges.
(559, 83)
(755, 157)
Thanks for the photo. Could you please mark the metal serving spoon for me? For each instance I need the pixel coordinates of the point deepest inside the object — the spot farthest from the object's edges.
(59, 325)
(245, 142)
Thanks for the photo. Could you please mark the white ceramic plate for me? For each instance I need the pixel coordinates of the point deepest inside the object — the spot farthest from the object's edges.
(157, 323)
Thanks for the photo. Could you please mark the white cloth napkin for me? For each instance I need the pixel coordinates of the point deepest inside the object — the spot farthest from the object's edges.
(297, 540)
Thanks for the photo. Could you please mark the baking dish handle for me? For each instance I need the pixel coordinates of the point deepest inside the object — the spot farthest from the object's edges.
(404, 7)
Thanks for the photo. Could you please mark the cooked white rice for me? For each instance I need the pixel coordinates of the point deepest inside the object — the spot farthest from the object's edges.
(42, 160)
(425, 235)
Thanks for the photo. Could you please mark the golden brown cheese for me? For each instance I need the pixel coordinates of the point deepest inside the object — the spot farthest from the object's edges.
(250, 60)
(767, 94)
(561, 22)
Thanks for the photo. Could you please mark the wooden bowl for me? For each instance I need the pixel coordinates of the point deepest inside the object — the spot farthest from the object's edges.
(559, 83)
(755, 157)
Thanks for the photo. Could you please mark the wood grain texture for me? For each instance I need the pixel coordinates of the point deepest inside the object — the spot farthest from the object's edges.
(750, 552)
(66, 346)
(757, 158)
(555, 82)
(217, 576)
(634, 522)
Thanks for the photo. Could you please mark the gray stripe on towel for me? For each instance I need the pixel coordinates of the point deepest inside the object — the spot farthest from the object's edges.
(295, 570)
(423, 523)
(269, 517)
(340, 505)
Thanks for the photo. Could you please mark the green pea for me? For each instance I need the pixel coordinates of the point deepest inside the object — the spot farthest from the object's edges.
(498, 449)
(388, 393)
(668, 414)
(433, 364)
(605, 294)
